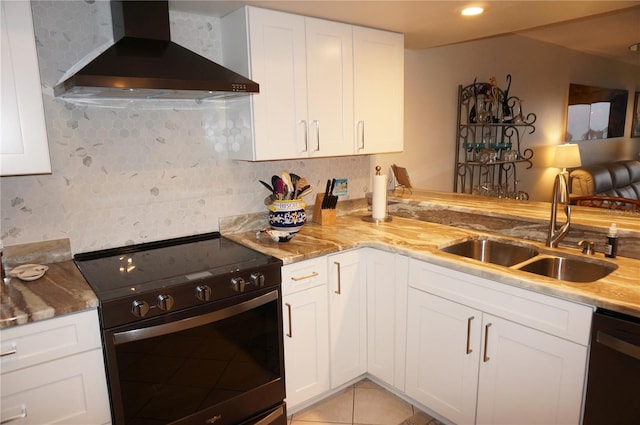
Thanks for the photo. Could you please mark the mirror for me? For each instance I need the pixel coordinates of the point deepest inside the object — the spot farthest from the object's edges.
(595, 113)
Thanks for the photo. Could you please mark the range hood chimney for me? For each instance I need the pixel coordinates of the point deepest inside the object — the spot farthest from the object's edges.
(145, 64)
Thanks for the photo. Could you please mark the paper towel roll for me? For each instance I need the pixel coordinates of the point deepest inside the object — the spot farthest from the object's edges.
(379, 197)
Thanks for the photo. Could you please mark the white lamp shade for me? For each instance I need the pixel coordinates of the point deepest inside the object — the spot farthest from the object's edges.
(567, 156)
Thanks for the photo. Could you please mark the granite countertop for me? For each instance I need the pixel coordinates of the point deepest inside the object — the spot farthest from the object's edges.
(61, 290)
(619, 291)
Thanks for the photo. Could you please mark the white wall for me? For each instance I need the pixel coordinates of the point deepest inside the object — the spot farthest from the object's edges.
(541, 75)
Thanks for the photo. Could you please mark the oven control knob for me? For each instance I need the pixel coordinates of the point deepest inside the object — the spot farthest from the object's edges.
(237, 284)
(139, 308)
(257, 279)
(203, 292)
(165, 302)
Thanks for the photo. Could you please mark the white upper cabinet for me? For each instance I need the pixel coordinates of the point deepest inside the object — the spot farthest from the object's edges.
(379, 90)
(329, 87)
(305, 68)
(24, 147)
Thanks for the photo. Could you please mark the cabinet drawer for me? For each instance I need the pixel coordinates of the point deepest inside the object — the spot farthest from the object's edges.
(548, 314)
(303, 275)
(72, 390)
(34, 343)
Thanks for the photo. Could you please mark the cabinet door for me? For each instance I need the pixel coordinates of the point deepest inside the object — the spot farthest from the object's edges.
(528, 377)
(348, 317)
(306, 344)
(278, 64)
(386, 316)
(442, 355)
(24, 148)
(329, 87)
(378, 90)
(70, 390)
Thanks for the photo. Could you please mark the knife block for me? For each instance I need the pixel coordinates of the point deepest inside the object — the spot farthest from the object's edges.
(323, 217)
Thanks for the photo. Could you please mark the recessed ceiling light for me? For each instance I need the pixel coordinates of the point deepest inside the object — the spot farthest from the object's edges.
(471, 11)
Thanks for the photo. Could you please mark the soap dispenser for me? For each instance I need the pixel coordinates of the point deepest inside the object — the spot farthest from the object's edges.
(611, 247)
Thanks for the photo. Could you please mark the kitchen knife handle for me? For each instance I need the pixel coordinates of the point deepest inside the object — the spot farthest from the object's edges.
(325, 200)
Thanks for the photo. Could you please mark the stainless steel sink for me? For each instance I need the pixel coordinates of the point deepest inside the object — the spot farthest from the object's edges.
(504, 253)
(570, 269)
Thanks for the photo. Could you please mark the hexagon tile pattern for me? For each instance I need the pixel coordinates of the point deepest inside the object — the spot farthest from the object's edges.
(133, 171)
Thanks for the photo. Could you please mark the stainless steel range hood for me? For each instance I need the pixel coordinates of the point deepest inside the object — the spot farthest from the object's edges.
(145, 63)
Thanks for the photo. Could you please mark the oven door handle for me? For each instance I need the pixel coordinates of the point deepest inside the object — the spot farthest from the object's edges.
(192, 322)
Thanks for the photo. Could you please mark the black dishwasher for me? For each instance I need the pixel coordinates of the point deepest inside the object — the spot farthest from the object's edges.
(613, 382)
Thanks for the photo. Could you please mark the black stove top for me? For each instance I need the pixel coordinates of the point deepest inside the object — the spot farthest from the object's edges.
(122, 272)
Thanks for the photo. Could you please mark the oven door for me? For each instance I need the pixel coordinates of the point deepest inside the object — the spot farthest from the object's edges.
(219, 363)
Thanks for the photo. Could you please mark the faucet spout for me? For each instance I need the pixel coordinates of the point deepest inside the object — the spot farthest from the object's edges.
(560, 195)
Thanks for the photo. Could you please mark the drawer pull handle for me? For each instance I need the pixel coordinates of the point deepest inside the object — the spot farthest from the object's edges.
(290, 334)
(13, 350)
(308, 276)
(22, 414)
(339, 291)
(469, 350)
(486, 358)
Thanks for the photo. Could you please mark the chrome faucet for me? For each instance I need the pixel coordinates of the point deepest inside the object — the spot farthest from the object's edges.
(560, 195)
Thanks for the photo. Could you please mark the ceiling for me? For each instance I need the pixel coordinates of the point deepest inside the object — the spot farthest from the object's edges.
(604, 28)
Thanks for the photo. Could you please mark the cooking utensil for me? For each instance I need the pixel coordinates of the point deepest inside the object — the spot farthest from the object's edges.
(280, 188)
(300, 185)
(269, 188)
(294, 180)
(305, 191)
(286, 178)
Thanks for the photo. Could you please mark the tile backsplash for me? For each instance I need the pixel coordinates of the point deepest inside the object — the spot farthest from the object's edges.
(134, 171)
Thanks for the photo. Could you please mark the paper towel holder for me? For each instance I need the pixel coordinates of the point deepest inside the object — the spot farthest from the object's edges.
(369, 218)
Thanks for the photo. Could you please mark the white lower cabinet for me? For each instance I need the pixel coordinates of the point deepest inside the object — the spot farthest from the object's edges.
(347, 316)
(386, 315)
(306, 330)
(53, 372)
(442, 357)
(472, 366)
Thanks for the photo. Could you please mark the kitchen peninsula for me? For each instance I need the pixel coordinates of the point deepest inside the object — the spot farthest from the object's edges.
(421, 238)
(384, 300)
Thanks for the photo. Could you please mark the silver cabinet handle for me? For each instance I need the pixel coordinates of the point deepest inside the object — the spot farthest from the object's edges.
(317, 123)
(307, 276)
(360, 134)
(11, 351)
(339, 291)
(469, 350)
(306, 136)
(22, 414)
(619, 345)
(290, 334)
(486, 358)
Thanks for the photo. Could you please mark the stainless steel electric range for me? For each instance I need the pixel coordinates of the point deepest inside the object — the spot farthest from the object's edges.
(192, 331)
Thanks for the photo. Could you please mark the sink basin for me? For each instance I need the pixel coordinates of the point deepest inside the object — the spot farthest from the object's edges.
(569, 269)
(504, 253)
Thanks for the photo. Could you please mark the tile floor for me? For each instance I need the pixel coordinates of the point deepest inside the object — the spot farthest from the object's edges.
(364, 403)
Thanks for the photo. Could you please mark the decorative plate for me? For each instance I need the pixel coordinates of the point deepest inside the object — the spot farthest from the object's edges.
(28, 272)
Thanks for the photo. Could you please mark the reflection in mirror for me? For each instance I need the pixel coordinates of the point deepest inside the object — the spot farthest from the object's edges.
(595, 113)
